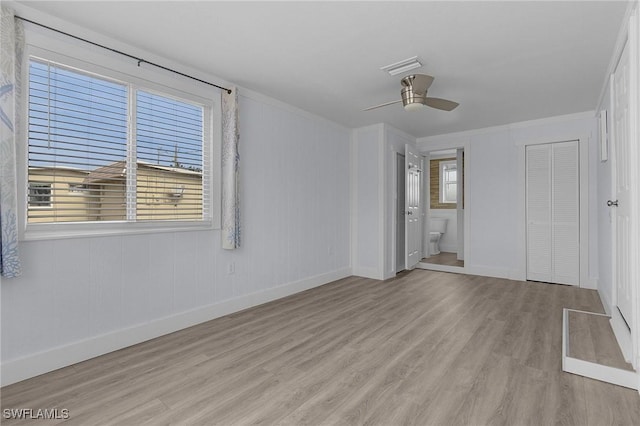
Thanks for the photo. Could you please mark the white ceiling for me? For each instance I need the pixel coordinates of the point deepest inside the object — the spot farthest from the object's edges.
(502, 61)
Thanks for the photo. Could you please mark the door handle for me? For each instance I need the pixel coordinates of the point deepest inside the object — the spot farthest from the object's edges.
(612, 203)
(409, 213)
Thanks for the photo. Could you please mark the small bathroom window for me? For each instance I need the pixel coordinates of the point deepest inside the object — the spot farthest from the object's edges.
(448, 182)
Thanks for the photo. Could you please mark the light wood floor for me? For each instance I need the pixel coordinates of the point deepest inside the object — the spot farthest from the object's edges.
(591, 338)
(426, 348)
(449, 259)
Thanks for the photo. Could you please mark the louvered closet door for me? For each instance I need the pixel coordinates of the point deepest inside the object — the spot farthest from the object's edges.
(553, 213)
(565, 215)
(539, 213)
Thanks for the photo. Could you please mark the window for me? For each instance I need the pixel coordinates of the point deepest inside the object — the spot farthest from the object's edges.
(448, 182)
(39, 194)
(114, 150)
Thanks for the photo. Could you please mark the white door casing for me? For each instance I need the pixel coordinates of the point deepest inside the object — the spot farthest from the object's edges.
(460, 202)
(413, 203)
(400, 213)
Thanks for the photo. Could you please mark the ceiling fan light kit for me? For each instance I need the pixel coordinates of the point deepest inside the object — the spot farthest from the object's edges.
(413, 106)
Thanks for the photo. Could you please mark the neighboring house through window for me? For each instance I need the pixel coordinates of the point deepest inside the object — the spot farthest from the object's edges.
(105, 146)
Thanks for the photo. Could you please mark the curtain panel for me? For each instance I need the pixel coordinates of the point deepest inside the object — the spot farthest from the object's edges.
(11, 50)
(230, 165)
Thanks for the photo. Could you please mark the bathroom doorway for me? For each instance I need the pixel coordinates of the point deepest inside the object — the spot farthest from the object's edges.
(443, 239)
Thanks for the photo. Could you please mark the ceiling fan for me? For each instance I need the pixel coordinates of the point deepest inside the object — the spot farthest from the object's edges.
(414, 95)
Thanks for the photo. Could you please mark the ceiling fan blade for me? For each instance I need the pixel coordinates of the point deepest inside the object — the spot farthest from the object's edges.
(421, 83)
(442, 104)
(381, 105)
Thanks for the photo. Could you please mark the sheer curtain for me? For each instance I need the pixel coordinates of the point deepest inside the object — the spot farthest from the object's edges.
(11, 49)
(230, 163)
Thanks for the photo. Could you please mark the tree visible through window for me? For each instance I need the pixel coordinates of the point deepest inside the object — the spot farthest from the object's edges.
(135, 158)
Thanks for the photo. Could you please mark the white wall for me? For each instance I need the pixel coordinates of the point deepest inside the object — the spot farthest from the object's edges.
(495, 241)
(374, 178)
(367, 205)
(82, 297)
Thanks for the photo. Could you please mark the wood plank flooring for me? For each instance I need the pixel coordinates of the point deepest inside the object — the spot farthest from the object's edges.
(449, 259)
(591, 338)
(425, 348)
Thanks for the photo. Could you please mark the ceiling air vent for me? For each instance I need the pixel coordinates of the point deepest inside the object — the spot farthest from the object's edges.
(402, 66)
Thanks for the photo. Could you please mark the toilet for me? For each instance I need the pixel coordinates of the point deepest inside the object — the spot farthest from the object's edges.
(438, 227)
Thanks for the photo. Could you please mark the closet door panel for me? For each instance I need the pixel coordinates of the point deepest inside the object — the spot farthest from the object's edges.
(552, 208)
(565, 214)
(539, 252)
(538, 178)
(565, 254)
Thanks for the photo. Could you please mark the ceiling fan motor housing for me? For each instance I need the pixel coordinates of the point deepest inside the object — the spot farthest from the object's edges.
(410, 97)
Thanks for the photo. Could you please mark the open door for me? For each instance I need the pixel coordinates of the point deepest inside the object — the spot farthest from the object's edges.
(413, 204)
(621, 206)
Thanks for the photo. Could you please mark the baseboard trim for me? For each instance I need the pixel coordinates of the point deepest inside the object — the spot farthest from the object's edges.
(622, 333)
(448, 248)
(472, 270)
(604, 299)
(372, 273)
(509, 274)
(590, 284)
(440, 268)
(43, 362)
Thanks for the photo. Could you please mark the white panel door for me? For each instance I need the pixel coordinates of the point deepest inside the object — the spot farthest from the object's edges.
(621, 141)
(413, 203)
(538, 208)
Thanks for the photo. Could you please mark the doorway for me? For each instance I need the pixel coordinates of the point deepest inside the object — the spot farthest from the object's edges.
(444, 225)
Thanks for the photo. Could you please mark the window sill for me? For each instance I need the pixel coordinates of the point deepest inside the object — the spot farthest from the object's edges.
(37, 232)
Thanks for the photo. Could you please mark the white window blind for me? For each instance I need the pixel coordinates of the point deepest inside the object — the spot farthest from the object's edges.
(169, 139)
(110, 156)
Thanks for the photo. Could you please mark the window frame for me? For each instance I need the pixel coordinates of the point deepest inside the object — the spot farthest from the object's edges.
(442, 165)
(70, 54)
